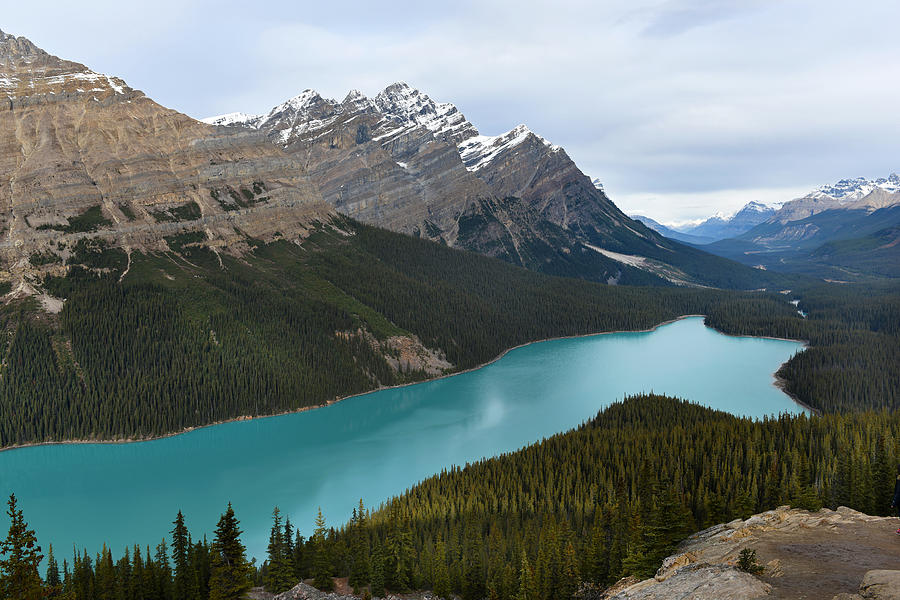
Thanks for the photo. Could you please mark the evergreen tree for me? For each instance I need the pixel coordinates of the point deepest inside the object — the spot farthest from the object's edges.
(378, 584)
(527, 585)
(20, 557)
(182, 583)
(279, 575)
(441, 575)
(321, 558)
(53, 580)
(229, 570)
(360, 568)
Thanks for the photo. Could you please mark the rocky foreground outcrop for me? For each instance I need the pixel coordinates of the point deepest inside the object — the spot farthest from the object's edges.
(842, 554)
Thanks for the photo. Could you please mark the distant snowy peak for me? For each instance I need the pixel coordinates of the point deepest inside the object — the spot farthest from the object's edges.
(597, 183)
(235, 118)
(479, 151)
(851, 190)
(756, 207)
(721, 226)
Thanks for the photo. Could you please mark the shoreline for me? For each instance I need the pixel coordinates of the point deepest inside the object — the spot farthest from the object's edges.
(780, 383)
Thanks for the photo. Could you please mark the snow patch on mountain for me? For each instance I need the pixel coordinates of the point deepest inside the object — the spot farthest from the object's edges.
(480, 150)
(235, 118)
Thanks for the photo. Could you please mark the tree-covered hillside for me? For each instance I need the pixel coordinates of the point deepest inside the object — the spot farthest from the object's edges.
(173, 340)
(609, 498)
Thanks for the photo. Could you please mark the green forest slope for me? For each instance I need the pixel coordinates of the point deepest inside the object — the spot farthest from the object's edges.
(167, 341)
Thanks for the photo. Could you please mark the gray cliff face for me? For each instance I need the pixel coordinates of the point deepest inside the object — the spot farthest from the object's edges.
(413, 165)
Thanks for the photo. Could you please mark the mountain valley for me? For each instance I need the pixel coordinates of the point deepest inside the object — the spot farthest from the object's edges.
(168, 277)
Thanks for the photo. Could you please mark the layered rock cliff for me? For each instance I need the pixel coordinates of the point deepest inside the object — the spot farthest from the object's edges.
(82, 155)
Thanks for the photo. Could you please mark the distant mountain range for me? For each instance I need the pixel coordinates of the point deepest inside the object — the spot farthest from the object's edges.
(672, 233)
(844, 231)
(717, 227)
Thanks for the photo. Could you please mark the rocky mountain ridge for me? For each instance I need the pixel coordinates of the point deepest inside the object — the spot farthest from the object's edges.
(849, 194)
(88, 162)
(405, 162)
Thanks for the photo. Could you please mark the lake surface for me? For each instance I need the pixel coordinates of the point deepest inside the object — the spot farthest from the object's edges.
(377, 445)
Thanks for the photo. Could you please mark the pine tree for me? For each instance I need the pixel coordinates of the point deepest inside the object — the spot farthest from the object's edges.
(298, 560)
(360, 567)
(21, 556)
(378, 584)
(53, 580)
(441, 574)
(321, 559)
(527, 585)
(279, 576)
(569, 581)
(229, 570)
(183, 581)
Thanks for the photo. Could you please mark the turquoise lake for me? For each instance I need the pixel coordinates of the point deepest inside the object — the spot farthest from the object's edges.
(376, 445)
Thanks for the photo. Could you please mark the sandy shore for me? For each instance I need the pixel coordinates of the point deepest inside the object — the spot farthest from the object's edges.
(779, 383)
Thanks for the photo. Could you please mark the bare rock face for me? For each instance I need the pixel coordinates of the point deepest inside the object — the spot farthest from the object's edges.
(413, 165)
(700, 582)
(826, 554)
(84, 155)
(880, 585)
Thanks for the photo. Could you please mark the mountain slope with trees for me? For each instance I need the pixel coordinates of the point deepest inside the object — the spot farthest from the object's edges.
(607, 499)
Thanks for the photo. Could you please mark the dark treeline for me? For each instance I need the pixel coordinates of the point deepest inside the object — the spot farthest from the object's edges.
(610, 498)
(181, 342)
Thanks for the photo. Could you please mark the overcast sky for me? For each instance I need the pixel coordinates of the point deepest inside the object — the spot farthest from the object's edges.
(681, 107)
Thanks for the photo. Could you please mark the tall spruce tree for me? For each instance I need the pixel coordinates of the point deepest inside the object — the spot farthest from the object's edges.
(230, 572)
(182, 584)
(321, 558)
(360, 567)
(20, 557)
(279, 576)
(53, 580)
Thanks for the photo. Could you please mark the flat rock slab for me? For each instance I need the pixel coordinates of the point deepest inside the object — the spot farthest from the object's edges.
(831, 554)
(821, 562)
(881, 585)
(699, 582)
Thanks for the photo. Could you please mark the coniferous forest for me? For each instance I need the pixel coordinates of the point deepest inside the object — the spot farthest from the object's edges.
(607, 499)
(181, 341)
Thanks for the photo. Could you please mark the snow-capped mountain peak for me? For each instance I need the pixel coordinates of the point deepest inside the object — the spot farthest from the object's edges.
(408, 106)
(851, 190)
(478, 151)
(754, 206)
(597, 183)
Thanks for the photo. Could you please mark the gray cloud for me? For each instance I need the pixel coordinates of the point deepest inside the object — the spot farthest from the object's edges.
(698, 104)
